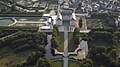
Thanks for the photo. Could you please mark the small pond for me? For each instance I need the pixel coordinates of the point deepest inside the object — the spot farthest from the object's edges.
(5, 22)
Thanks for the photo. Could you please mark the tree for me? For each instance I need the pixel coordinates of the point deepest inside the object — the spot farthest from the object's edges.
(32, 59)
(54, 42)
(76, 35)
(76, 32)
(84, 37)
(100, 49)
(80, 23)
(53, 51)
(114, 63)
(86, 63)
(56, 28)
(43, 62)
(55, 31)
(79, 5)
(102, 59)
(113, 53)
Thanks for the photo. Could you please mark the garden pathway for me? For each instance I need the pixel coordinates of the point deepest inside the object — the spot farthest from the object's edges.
(48, 46)
(65, 58)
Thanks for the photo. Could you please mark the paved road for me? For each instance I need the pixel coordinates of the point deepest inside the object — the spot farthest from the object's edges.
(65, 62)
(65, 59)
(65, 42)
(48, 46)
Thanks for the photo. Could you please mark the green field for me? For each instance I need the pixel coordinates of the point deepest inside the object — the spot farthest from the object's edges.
(60, 42)
(71, 45)
(57, 63)
(73, 64)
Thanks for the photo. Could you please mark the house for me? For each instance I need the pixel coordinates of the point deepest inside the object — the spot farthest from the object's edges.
(30, 10)
(59, 19)
(73, 19)
(54, 16)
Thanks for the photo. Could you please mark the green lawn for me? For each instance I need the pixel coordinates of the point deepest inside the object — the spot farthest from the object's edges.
(57, 63)
(73, 64)
(71, 45)
(60, 41)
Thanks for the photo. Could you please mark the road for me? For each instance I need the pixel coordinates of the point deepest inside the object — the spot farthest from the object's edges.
(48, 46)
(65, 42)
(65, 58)
(65, 62)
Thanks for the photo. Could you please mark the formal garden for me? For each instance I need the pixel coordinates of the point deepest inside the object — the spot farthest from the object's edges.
(103, 44)
(27, 47)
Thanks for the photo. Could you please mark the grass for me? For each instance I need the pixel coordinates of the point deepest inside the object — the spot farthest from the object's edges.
(60, 41)
(73, 64)
(71, 45)
(57, 63)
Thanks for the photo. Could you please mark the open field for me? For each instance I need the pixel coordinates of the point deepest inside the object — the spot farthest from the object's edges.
(71, 45)
(57, 63)
(60, 41)
(73, 64)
